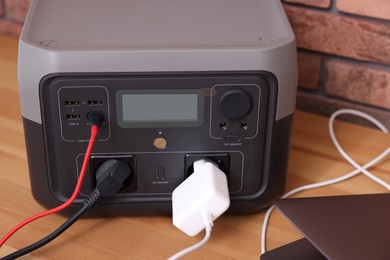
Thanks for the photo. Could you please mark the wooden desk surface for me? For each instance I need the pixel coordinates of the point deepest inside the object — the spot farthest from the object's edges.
(313, 158)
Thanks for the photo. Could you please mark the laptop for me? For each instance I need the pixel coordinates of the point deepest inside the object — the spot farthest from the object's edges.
(338, 227)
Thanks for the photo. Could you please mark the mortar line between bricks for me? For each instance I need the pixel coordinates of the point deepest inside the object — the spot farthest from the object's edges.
(2, 7)
(334, 10)
(323, 75)
(312, 7)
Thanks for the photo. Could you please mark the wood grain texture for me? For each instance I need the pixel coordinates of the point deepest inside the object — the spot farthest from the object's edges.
(313, 158)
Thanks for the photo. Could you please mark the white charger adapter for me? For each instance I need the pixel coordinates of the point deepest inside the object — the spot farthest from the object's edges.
(201, 198)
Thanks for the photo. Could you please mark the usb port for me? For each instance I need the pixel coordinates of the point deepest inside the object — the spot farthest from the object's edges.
(73, 116)
(95, 102)
(72, 103)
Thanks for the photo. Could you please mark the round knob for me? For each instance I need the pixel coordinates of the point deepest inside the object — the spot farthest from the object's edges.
(235, 104)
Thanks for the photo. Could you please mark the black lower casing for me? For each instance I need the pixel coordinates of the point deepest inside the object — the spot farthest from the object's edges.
(255, 159)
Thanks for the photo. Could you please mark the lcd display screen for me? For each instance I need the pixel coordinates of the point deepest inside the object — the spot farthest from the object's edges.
(159, 108)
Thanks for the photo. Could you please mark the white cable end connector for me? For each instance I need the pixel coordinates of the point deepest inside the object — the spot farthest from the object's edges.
(201, 198)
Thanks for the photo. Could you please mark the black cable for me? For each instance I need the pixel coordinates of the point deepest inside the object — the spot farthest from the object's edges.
(48, 238)
(88, 203)
(114, 176)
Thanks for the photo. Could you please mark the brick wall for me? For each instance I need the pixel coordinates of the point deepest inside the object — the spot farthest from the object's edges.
(343, 55)
(344, 52)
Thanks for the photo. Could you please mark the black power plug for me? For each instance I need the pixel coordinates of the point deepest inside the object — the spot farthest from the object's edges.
(112, 176)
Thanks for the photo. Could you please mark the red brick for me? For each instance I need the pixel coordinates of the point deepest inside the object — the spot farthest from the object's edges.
(350, 37)
(358, 83)
(12, 28)
(372, 8)
(327, 105)
(309, 70)
(16, 10)
(315, 3)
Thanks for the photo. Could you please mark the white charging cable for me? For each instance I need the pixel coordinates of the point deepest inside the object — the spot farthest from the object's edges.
(208, 223)
(358, 167)
(198, 201)
(344, 154)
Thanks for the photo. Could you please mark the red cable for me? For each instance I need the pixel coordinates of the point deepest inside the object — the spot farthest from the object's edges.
(94, 132)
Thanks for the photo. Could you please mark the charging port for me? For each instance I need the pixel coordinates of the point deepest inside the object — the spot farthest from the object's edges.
(73, 116)
(221, 159)
(95, 102)
(70, 103)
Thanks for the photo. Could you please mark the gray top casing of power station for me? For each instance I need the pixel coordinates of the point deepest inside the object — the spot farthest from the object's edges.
(85, 39)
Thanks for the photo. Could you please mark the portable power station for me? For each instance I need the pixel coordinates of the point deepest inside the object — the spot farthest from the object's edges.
(176, 81)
